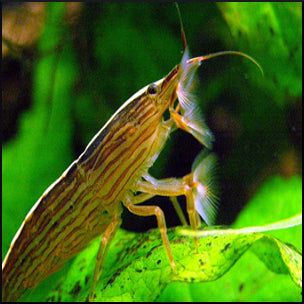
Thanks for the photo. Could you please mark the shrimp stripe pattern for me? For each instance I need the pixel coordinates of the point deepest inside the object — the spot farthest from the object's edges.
(78, 206)
(86, 201)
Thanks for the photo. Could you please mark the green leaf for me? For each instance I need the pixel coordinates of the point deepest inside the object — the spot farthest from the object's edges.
(280, 257)
(137, 268)
(278, 198)
(249, 279)
(277, 24)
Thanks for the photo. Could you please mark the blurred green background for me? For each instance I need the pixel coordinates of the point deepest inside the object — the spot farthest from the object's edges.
(90, 58)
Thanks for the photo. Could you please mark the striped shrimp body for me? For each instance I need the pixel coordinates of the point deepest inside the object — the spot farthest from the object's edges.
(85, 202)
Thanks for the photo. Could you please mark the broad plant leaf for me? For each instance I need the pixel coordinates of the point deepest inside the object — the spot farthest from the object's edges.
(137, 268)
(249, 279)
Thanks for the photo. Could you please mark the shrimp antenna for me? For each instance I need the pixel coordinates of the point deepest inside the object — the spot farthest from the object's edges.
(209, 56)
(182, 26)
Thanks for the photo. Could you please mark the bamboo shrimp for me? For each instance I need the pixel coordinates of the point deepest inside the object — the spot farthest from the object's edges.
(86, 201)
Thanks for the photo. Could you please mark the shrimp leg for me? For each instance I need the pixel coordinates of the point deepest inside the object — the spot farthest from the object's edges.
(102, 253)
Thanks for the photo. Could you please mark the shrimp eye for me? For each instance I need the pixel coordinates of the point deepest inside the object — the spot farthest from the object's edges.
(152, 89)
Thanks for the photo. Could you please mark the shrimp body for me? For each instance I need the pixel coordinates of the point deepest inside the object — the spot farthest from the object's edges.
(86, 201)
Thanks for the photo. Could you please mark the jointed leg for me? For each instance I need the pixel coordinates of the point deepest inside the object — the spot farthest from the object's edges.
(102, 253)
(172, 187)
(196, 186)
(192, 213)
(178, 210)
(154, 210)
(145, 196)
